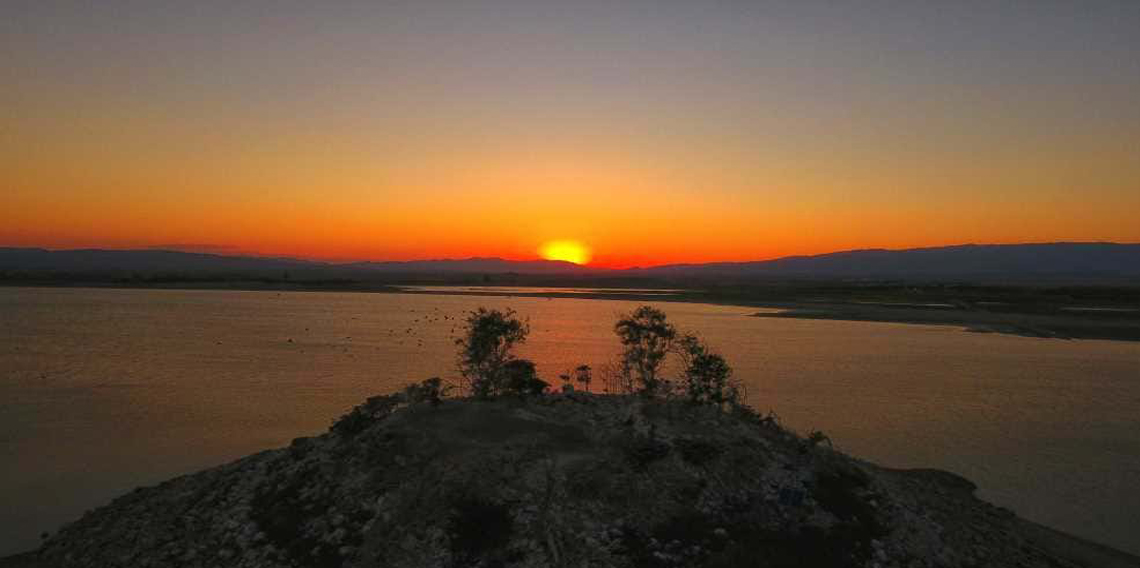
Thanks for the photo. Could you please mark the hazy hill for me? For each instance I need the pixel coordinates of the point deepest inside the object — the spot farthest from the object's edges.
(1091, 261)
(1047, 262)
(98, 260)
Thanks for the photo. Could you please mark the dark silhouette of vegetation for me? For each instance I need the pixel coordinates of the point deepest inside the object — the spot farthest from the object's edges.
(488, 365)
(706, 378)
(364, 415)
(520, 378)
(567, 382)
(485, 358)
(582, 374)
(431, 391)
(646, 338)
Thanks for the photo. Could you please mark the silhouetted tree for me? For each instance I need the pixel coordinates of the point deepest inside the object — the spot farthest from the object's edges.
(706, 376)
(583, 376)
(485, 350)
(647, 338)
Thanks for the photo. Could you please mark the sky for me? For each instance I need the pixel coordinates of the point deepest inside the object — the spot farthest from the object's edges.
(650, 132)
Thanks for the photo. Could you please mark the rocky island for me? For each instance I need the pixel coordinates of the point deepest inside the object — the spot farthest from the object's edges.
(660, 473)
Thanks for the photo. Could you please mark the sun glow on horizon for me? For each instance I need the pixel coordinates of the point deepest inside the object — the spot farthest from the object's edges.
(567, 250)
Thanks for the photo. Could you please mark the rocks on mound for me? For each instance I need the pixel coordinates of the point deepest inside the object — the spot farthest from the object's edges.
(559, 480)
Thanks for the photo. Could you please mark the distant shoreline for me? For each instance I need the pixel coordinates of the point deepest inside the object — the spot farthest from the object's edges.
(1035, 317)
(1025, 325)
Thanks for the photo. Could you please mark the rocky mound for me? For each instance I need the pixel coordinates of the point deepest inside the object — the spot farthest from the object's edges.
(557, 480)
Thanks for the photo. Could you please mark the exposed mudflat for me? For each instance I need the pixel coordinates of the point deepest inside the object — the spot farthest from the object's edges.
(1121, 326)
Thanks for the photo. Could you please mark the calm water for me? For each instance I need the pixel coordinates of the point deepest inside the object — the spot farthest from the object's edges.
(105, 390)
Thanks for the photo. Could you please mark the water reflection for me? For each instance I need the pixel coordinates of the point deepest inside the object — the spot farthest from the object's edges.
(535, 290)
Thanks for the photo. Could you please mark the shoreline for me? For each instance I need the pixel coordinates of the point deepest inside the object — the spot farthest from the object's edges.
(948, 488)
(1040, 326)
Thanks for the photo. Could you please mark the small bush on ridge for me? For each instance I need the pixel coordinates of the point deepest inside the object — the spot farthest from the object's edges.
(431, 391)
(520, 378)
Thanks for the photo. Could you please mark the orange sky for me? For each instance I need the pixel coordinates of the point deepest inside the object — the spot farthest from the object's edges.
(685, 136)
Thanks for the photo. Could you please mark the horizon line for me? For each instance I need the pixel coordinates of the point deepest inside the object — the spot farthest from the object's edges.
(222, 252)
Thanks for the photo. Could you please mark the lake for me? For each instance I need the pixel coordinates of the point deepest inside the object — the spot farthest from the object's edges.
(103, 390)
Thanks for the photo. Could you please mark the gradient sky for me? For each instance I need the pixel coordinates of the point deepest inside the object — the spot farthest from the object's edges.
(652, 131)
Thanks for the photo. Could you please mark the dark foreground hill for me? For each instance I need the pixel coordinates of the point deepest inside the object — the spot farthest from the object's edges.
(558, 480)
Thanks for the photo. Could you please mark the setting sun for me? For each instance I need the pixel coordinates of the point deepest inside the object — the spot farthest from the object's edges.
(570, 251)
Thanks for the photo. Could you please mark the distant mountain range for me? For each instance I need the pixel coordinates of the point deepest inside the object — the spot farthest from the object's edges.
(951, 262)
(100, 260)
(1047, 261)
